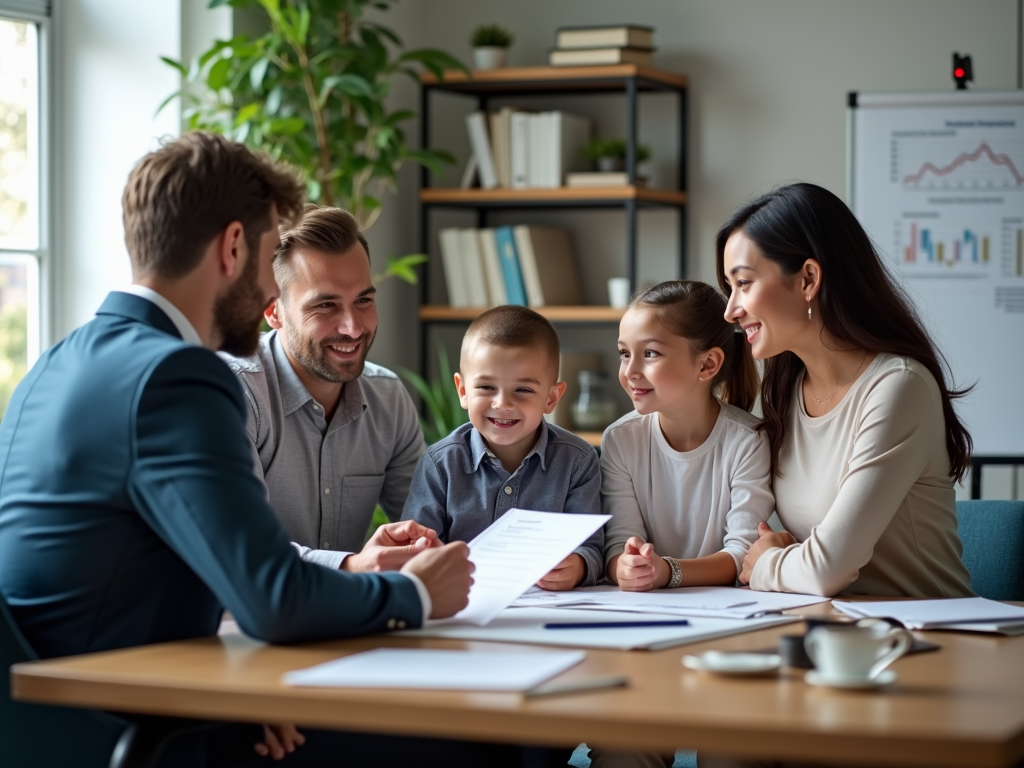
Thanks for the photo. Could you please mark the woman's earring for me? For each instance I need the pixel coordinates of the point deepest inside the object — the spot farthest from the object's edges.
(808, 309)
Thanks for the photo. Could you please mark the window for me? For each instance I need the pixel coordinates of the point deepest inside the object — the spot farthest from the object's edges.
(22, 238)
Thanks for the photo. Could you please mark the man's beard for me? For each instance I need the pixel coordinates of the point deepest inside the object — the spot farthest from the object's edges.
(310, 354)
(238, 312)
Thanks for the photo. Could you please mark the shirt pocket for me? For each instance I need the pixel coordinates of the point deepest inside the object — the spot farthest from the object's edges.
(359, 496)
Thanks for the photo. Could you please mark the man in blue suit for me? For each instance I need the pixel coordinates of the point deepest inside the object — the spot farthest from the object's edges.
(129, 512)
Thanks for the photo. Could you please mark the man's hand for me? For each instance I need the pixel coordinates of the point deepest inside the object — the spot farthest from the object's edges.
(769, 540)
(392, 546)
(446, 572)
(639, 568)
(566, 575)
(279, 740)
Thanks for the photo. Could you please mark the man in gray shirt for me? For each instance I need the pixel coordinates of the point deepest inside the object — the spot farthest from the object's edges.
(332, 435)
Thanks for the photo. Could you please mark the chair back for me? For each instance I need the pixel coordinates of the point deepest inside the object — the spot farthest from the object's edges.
(32, 735)
(993, 536)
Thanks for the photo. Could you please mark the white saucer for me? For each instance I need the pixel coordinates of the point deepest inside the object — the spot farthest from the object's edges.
(733, 663)
(885, 677)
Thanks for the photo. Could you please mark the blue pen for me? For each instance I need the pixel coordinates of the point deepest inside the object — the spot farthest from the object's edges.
(619, 624)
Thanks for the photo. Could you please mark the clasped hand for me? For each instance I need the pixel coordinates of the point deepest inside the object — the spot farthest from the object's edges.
(769, 539)
(392, 546)
(639, 568)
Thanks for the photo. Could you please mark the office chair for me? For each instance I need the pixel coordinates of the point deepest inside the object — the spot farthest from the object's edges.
(993, 536)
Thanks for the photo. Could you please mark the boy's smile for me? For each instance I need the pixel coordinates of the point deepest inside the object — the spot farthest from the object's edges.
(507, 392)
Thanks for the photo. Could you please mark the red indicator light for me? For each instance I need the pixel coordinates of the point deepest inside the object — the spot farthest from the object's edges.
(958, 72)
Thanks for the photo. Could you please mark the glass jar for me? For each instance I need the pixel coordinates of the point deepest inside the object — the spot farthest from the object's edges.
(594, 409)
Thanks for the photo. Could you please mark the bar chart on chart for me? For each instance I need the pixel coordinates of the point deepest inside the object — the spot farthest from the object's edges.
(926, 247)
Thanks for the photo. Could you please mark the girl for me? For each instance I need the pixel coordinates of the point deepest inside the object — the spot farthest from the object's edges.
(685, 477)
(858, 411)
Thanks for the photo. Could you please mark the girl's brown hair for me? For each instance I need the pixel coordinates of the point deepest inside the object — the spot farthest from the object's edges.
(696, 311)
(860, 303)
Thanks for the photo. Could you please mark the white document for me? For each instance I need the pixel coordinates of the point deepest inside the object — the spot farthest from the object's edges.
(964, 613)
(712, 602)
(519, 548)
(527, 625)
(448, 670)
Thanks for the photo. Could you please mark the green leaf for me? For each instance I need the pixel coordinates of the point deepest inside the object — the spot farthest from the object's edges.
(217, 77)
(274, 101)
(258, 72)
(353, 85)
(167, 101)
(400, 116)
(287, 126)
(247, 113)
(176, 64)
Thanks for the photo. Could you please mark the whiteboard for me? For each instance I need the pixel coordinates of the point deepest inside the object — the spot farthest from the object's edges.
(937, 180)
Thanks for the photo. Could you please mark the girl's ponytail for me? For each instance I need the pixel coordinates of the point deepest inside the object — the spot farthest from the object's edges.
(742, 382)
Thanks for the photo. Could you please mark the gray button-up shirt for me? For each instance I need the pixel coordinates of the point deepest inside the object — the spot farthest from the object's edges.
(324, 479)
(460, 487)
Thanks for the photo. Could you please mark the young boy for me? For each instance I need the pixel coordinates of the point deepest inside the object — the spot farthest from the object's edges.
(508, 456)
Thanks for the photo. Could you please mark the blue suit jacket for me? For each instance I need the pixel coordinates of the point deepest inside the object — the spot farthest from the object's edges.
(129, 512)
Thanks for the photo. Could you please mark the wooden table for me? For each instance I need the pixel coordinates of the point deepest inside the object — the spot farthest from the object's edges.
(960, 706)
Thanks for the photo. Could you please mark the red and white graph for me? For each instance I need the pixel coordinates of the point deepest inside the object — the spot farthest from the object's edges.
(938, 164)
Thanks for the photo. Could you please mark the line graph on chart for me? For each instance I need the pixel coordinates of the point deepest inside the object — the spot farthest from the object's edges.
(950, 163)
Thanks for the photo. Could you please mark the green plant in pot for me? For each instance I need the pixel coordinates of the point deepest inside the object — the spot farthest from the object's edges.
(313, 91)
(609, 155)
(490, 46)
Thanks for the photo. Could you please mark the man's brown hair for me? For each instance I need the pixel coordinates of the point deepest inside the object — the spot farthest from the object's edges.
(513, 327)
(184, 194)
(320, 228)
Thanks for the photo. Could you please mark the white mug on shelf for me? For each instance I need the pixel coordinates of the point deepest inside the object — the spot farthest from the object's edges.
(618, 292)
(857, 652)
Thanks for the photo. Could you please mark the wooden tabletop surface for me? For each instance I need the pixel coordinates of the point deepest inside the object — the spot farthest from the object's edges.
(960, 706)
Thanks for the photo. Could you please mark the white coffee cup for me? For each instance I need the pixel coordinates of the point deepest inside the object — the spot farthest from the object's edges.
(857, 652)
(618, 292)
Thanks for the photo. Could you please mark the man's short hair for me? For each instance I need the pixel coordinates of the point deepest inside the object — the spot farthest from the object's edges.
(513, 327)
(320, 228)
(184, 194)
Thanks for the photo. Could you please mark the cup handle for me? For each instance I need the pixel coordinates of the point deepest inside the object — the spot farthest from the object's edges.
(903, 642)
(811, 646)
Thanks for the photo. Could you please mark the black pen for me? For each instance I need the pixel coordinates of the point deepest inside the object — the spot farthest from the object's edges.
(619, 624)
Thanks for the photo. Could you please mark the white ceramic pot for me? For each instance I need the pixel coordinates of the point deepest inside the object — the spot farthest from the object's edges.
(489, 57)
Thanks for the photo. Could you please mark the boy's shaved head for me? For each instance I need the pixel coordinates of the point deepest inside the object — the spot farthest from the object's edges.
(513, 327)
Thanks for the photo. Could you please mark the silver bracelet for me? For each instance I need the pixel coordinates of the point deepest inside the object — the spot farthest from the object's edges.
(676, 579)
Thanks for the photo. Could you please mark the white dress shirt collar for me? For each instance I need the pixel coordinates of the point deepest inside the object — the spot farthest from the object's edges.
(185, 328)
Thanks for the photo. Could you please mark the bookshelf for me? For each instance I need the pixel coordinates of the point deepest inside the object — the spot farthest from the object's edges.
(628, 81)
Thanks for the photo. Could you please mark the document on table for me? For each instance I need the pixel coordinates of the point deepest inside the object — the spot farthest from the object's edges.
(519, 548)
(446, 670)
(972, 614)
(710, 602)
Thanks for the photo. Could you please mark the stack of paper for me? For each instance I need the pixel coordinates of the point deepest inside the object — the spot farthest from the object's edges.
(970, 614)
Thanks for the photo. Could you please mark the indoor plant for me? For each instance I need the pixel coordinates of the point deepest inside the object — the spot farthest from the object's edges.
(610, 154)
(490, 46)
(312, 91)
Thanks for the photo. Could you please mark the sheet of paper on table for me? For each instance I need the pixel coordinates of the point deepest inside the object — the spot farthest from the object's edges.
(526, 625)
(970, 614)
(517, 550)
(711, 602)
(436, 669)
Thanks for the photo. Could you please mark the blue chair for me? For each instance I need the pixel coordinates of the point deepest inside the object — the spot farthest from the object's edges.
(993, 537)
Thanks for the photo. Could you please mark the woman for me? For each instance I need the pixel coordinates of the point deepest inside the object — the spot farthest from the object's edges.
(858, 412)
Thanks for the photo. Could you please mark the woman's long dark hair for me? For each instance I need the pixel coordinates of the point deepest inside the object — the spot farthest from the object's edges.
(860, 303)
(696, 312)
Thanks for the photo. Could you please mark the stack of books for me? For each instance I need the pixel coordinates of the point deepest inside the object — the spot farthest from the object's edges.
(530, 266)
(517, 149)
(586, 46)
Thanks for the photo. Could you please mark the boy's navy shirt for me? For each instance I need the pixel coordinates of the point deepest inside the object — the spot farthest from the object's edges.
(460, 487)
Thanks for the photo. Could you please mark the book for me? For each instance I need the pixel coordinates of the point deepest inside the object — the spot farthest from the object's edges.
(619, 36)
(607, 179)
(473, 269)
(453, 273)
(520, 149)
(501, 138)
(476, 125)
(537, 158)
(569, 367)
(569, 136)
(506, 243)
(496, 290)
(547, 266)
(591, 56)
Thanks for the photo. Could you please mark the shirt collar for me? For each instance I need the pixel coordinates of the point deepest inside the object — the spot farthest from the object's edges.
(478, 448)
(294, 394)
(185, 328)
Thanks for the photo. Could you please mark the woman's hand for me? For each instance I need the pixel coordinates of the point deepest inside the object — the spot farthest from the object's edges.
(639, 569)
(769, 539)
(279, 740)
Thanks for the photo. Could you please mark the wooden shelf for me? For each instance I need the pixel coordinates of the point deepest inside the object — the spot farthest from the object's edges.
(554, 79)
(504, 196)
(564, 314)
(594, 438)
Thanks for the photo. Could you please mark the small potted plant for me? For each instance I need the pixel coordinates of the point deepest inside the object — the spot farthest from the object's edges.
(609, 155)
(490, 46)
